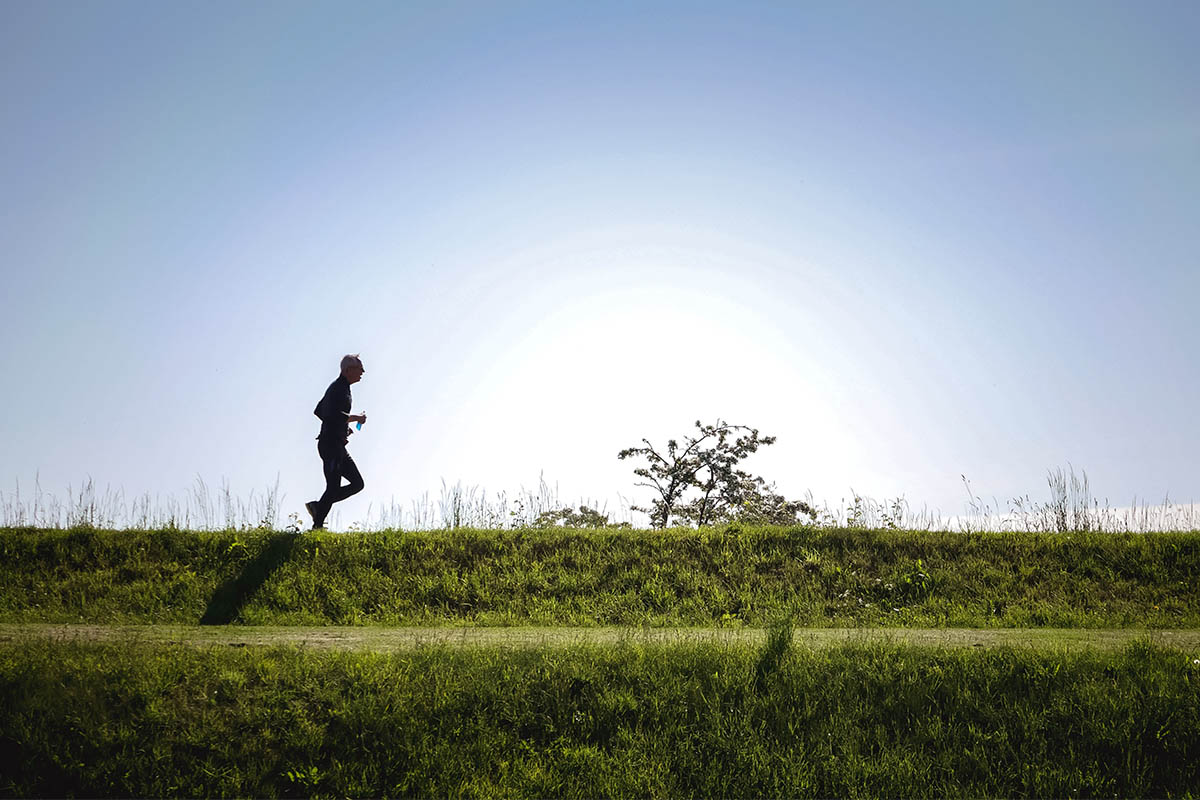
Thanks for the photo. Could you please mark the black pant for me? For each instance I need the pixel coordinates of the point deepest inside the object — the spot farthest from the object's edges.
(337, 464)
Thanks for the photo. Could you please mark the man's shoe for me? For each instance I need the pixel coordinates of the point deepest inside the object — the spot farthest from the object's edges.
(311, 508)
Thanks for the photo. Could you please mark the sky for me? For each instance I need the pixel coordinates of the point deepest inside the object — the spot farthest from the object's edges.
(914, 241)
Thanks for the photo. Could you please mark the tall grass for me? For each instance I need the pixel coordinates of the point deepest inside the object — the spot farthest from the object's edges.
(1069, 507)
(90, 507)
(201, 508)
(471, 506)
(1072, 507)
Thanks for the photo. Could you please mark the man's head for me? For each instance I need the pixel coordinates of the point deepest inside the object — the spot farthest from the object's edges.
(352, 368)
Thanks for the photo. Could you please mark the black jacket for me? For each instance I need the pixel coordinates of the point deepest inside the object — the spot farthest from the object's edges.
(333, 410)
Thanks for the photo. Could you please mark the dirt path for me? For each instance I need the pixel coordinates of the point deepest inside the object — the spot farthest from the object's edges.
(388, 639)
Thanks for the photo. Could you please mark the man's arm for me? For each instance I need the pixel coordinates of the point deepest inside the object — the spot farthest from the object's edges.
(327, 409)
(324, 416)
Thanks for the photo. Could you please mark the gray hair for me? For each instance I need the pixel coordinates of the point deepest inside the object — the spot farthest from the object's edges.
(350, 360)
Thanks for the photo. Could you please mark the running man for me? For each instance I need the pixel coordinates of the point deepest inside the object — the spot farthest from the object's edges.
(335, 416)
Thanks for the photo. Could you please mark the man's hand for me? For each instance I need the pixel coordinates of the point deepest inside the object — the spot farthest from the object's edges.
(356, 418)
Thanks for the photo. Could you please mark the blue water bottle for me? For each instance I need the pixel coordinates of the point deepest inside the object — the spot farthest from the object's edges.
(358, 425)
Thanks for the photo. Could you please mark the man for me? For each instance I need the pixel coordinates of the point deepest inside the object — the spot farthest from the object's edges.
(335, 416)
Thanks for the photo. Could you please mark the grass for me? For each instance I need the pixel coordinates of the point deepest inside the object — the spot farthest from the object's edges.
(196, 695)
(630, 720)
(390, 640)
(562, 577)
(551, 713)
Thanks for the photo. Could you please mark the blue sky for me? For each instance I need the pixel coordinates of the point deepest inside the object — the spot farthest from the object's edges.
(912, 240)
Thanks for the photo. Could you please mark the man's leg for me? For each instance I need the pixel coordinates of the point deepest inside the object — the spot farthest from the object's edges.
(349, 470)
(336, 463)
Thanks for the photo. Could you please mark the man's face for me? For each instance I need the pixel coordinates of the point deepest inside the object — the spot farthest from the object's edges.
(354, 372)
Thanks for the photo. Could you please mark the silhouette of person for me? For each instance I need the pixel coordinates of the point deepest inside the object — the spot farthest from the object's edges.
(335, 416)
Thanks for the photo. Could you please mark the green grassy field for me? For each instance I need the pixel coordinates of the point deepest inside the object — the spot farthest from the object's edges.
(580, 682)
(557, 577)
(625, 720)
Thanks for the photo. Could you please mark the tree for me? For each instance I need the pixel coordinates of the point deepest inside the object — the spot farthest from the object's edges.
(708, 463)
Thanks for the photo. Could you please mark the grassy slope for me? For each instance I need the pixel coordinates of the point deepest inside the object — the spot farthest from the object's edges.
(639, 721)
(587, 578)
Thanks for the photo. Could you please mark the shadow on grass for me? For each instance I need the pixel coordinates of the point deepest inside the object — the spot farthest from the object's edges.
(227, 602)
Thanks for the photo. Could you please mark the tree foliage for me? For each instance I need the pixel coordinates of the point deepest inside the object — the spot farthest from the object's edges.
(708, 464)
(568, 517)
